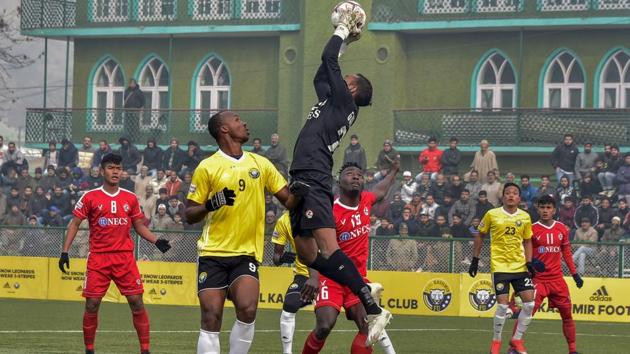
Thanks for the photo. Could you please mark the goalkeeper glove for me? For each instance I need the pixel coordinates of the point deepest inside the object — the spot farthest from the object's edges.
(287, 257)
(578, 280)
(474, 266)
(64, 262)
(535, 266)
(299, 189)
(221, 198)
(162, 245)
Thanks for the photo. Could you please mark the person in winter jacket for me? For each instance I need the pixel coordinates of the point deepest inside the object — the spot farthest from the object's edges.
(585, 162)
(355, 153)
(407, 187)
(130, 155)
(563, 158)
(192, 159)
(134, 101)
(103, 149)
(586, 210)
(451, 158)
(431, 159)
(623, 178)
(173, 157)
(152, 156)
(68, 155)
(608, 171)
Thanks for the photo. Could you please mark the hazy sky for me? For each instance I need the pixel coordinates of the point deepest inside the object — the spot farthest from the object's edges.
(28, 82)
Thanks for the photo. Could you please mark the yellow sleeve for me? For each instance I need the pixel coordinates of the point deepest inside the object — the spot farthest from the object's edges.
(484, 225)
(527, 231)
(274, 181)
(200, 186)
(280, 233)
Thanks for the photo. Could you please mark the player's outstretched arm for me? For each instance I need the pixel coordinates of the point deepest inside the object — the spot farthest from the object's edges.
(144, 232)
(381, 188)
(474, 264)
(280, 256)
(73, 228)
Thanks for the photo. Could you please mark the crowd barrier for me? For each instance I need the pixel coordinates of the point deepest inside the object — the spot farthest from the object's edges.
(425, 293)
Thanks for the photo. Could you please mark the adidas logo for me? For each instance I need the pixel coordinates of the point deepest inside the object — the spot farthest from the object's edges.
(601, 295)
(152, 292)
(79, 288)
(7, 286)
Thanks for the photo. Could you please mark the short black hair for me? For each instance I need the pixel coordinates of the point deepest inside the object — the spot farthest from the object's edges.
(453, 139)
(568, 135)
(348, 165)
(546, 199)
(214, 124)
(484, 193)
(510, 184)
(432, 139)
(112, 158)
(257, 139)
(364, 91)
(525, 176)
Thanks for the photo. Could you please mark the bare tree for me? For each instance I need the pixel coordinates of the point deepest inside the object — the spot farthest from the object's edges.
(11, 57)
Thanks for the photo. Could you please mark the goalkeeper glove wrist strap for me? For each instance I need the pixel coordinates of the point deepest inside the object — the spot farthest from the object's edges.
(342, 31)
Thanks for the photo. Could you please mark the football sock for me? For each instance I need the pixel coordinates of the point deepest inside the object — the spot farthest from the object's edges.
(287, 327)
(340, 268)
(141, 323)
(241, 337)
(90, 322)
(568, 327)
(313, 344)
(499, 320)
(524, 318)
(386, 344)
(358, 345)
(208, 343)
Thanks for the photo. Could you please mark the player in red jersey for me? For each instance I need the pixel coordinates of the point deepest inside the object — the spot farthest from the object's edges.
(111, 211)
(550, 244)
(352, 218)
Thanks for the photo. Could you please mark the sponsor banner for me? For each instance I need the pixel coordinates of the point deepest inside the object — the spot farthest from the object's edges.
(24, 277)
(477, 296)
(168, 283)
(600, 299)
(69, 286)
(431, 294)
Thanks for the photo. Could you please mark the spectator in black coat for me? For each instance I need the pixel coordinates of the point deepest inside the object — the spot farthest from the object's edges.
(608, 171)
(193, 158)
(439, 189)
(589, 186)
(355, 153)
(103, 149)
(606, 213)
(38, 203)
(173, 157)
(451, 158)
(482, 206)
(152, 156)
(406, 218)
(427, 227)
(68, 155)
(563, 158)
(133, 103)
(396, 207)
(586, 210)
(126, 182)
(52, 218)
(130, 155)
(61, 200)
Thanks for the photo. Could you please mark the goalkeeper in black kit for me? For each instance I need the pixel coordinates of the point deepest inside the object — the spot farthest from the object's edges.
(313, 224)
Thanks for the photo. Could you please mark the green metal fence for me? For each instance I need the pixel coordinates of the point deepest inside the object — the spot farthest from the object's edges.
(43, 14)
(513, 127)
(389, 11)
(391, 253)
(44, 125)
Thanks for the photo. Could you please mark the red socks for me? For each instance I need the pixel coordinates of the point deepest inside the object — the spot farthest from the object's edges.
(358, 345)
(568, 327)
(313, 345)
(141, 323)
(90, 322)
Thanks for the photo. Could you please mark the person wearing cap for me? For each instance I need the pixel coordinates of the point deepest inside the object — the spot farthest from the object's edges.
(130, 155)
(451, 158)
(623, 178)
(614, 232)
(161, 221)
(408, 187)
(162, 198)
(585, 162)
(485, 161)
(52, 217)
(427, 227)
(431, 159)
(355, 153)
(386, 156)
(68, 155)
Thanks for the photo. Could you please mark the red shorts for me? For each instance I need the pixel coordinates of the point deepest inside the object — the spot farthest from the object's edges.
(555, 290)
(335, 295)
(120, 267)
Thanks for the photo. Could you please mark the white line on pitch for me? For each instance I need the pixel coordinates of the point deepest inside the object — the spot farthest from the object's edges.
(308, 330)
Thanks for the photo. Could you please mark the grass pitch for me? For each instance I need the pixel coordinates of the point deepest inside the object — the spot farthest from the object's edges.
(28, 326)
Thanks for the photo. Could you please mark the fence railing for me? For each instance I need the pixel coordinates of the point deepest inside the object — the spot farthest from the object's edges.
(44, 14)
(44, 125)
(391, 253)
(513, 127)
(431, 10)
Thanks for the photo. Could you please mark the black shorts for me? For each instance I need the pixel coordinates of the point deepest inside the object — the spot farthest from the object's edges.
(292, 299)
(296, 285)
(221, 272)
(315, 210)
(520, 282)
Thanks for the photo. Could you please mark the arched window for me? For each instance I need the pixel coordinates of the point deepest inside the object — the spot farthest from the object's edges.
(496, 83)
(108, 86)
(212, 83)
(154, 82)
(614, 89)
(564, 82)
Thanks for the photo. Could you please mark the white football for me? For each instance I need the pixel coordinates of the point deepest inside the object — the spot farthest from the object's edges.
(357, 14)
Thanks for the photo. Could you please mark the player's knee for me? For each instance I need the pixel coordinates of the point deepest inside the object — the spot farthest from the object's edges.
(322, 331)
(528, 307)
(292, 303)
(246, 314)
(136, 304)
(211, 321)
(92, 305)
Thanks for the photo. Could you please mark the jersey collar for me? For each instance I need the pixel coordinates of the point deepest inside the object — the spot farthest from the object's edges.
(338, 202)
(507, 213)
(545, 226)
(111, 195)
(231, 158)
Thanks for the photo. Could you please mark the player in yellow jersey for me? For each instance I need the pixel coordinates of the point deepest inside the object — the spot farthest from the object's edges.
(304, 286)
(228, 193)
(510, 231)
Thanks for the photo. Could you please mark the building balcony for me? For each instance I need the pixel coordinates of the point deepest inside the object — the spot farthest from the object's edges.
(45, 125)
(517, 130)
(52, 18)
(414, 15)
